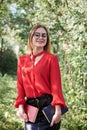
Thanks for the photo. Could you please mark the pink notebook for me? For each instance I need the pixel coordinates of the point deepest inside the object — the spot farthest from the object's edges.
(31, 112)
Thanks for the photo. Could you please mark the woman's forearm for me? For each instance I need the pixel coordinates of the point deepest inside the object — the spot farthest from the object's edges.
(57, 109)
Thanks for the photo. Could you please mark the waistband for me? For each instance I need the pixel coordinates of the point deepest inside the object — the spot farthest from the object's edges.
(40, 101)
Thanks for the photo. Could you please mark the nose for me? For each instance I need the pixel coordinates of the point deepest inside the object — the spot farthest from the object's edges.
(41, 36)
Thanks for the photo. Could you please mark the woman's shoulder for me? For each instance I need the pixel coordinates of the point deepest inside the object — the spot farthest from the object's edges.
(23, 57)
(50, 55)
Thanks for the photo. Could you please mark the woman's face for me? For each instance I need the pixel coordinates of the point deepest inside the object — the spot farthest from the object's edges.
(39, 38)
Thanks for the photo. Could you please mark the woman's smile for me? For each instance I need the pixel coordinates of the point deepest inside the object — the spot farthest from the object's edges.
(40, 41)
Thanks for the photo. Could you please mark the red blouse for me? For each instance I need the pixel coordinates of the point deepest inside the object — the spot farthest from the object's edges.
(35, 80)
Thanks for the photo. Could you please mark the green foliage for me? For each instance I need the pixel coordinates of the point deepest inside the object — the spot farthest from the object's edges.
(8, 118)
(8, 62)
(67, 24)
(77, 103)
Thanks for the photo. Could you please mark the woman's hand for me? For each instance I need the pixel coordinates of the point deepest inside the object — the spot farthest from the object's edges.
(21, 114)
(57, 116)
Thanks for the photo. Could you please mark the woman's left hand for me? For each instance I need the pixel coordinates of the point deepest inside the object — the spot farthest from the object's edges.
(57, 116)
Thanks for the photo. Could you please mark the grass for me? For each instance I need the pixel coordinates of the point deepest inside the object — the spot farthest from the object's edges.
(8, 118)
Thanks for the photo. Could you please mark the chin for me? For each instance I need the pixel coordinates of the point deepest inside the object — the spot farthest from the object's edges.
(40, 45)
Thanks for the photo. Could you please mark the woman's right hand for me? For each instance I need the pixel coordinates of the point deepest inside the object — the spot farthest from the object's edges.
(21, 114)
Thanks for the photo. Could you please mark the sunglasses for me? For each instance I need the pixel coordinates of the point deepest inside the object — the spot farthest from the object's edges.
(38, 35)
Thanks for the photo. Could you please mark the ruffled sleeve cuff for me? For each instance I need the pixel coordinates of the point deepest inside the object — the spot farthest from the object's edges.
(62, 104)
(18, 102)
(59, 100)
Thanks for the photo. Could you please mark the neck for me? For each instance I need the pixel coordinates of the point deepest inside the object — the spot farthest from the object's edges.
(37, 50)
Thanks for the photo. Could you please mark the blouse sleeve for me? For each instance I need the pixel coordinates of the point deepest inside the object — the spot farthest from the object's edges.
(20, 89)
(56, 86)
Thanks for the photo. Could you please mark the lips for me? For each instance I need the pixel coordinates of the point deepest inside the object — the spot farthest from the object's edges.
(40, 41)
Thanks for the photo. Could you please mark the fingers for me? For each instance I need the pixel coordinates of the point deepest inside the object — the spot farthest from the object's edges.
(56, 118)
(25, 117)
(52, 122)
(22, 116)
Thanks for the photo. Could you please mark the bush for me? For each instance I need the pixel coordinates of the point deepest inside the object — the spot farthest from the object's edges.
(9, 62)
(73, 68)
(8, 118)
(76, 118)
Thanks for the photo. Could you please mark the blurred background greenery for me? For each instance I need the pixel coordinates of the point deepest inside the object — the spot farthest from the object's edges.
(66, 21)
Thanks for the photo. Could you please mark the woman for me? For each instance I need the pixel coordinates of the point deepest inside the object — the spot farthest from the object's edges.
(38, 77)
